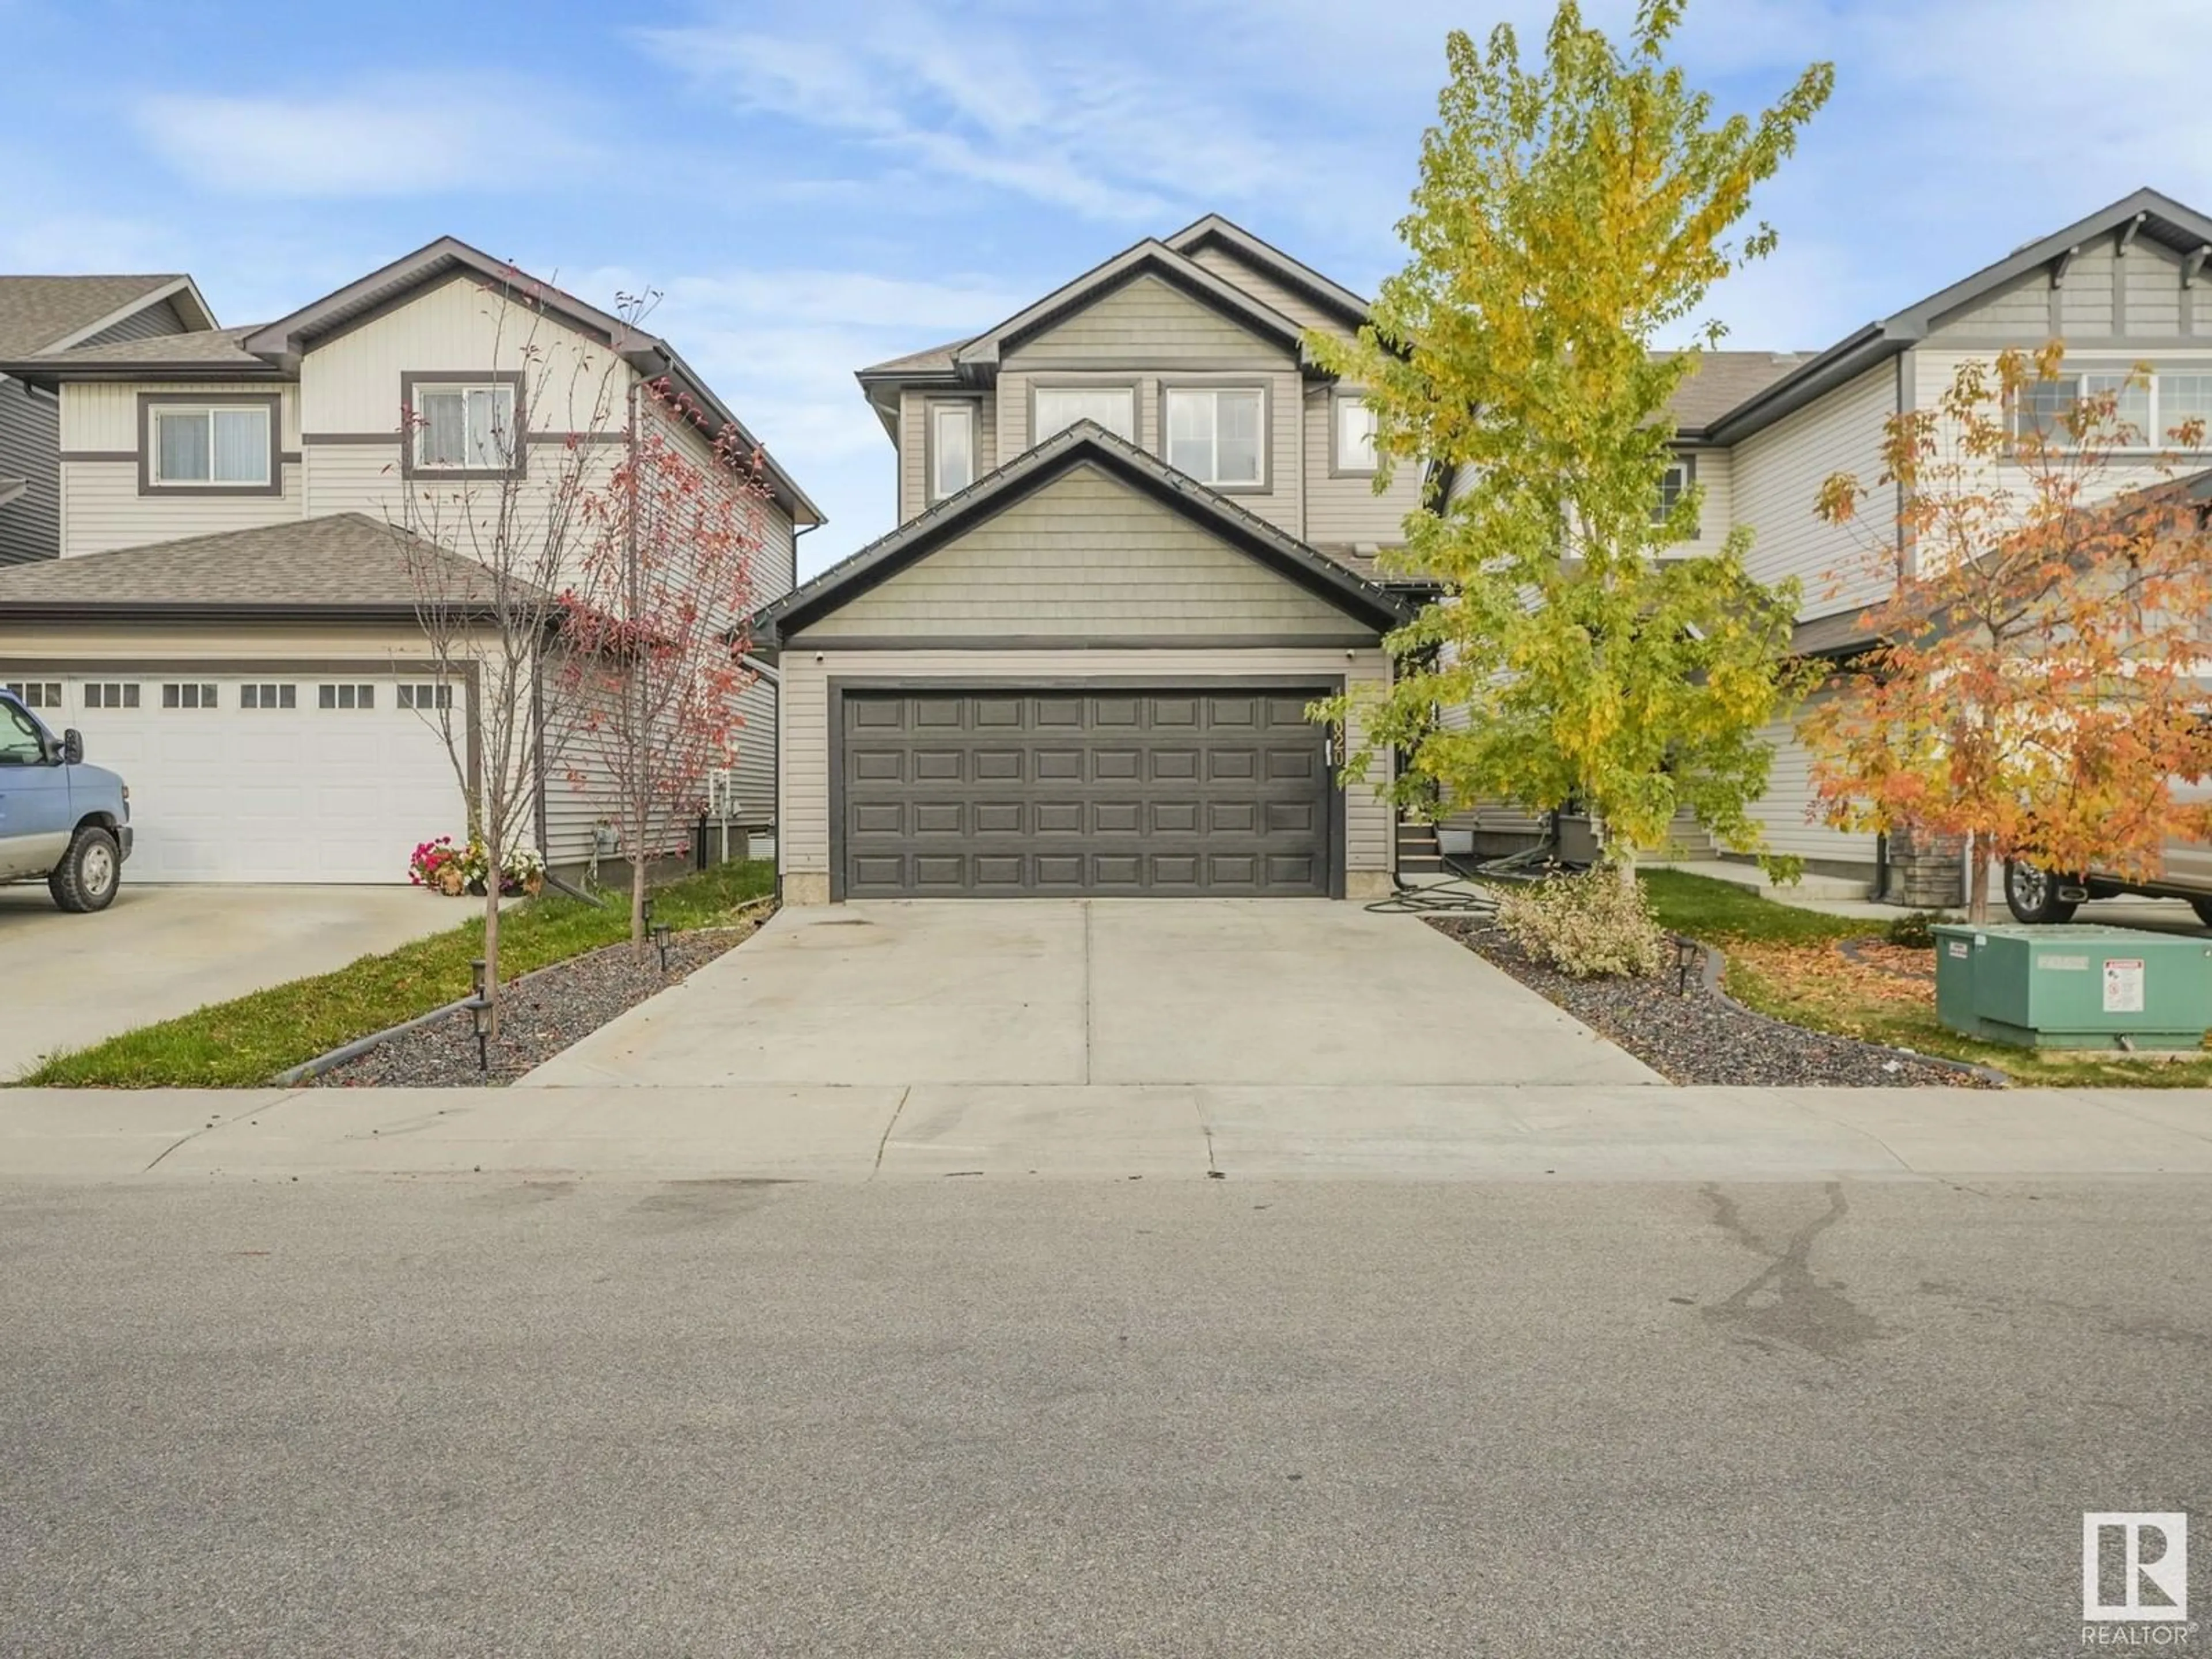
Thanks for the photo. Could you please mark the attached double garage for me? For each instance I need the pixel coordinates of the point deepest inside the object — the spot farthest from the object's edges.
(1086, 677)
(267, 695)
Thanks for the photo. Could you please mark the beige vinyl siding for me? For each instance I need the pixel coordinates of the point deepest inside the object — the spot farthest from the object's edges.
(1784, 811)
(388, 644)
(1270, 293)
(102, 509)
(1716, 470)
(1089, 558)
(1347, 509)
(1008, 417)
(803, 838)
(1777, 477)
(350, 382)
(1146, 319)
(102, 416)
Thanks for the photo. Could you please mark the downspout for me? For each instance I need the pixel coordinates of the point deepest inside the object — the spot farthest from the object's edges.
(797, 530)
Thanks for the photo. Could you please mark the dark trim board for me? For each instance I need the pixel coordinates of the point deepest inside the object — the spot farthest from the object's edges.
(823, 646)
(1314, 685)
(273, 402)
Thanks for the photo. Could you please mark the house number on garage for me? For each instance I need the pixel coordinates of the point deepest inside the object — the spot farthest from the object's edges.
(2123, 985)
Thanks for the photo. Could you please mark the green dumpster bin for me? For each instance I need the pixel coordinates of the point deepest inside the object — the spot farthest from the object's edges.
(2074, 988)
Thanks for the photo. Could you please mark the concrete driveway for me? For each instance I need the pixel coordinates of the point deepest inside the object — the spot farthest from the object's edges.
(160, 952)
(1065, 991)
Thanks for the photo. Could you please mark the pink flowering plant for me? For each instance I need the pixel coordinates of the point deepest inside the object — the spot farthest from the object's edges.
(430, 860)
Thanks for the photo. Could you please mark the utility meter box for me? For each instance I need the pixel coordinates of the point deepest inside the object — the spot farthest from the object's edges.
(2073, 987)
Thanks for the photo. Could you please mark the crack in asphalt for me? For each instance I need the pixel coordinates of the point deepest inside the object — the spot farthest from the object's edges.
(885, 1139)
(1784, 1302)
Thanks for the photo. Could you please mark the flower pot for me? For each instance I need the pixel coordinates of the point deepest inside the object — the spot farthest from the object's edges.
(450, 883)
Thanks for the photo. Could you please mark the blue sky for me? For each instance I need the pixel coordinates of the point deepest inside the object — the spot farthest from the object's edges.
(814, 187)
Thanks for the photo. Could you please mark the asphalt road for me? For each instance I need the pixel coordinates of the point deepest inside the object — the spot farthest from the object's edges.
(479, 1417)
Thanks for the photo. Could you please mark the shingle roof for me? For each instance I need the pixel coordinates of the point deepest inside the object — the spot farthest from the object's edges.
(348, 561)
(37, 311)
(1724, 379)
(937, 359)
(204, 347)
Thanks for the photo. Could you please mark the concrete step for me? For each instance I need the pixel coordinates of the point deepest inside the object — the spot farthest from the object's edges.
(1808, 886)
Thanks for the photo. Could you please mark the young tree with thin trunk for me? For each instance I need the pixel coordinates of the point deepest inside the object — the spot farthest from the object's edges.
(1569, 212)
(653, 634)
(2041, 683)
(491, 535)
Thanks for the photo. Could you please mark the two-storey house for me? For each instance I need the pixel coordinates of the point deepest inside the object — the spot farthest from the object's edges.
(1137, 537)
(233, 622)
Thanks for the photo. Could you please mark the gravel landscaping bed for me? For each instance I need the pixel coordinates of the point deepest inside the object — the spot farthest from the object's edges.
(543, 1014)
(1698, 1039)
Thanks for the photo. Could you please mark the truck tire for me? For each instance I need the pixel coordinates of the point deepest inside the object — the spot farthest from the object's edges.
(2203, 909)
(2032, 895)
(89, 873)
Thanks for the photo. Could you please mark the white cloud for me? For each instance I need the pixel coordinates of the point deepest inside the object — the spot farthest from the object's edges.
(420, 136)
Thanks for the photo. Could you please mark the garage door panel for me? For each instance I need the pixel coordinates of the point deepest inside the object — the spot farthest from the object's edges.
(996, 794)
(226, 793)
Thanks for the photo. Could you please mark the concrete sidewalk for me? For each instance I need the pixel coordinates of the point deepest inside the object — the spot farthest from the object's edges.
(1109, 1131)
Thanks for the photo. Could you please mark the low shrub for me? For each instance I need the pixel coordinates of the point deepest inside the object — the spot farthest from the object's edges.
(1915, 928)
(1587, 927)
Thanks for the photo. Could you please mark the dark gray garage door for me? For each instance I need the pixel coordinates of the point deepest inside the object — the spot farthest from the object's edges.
(1039, 793)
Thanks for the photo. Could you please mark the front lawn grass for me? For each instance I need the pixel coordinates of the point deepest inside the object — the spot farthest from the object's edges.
(1783, 962)
(245, 1043)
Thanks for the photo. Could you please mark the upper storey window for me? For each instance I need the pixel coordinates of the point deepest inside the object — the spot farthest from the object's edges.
(952, 449)
(209, 444)
(470, 427)
(1060, 407)
(1213, 435)
(2147, 411)
(1355, 435)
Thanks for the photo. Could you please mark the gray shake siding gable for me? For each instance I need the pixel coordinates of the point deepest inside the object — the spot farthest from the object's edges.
(1084, 557)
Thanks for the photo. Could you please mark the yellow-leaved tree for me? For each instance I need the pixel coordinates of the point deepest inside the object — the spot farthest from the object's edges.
(1569, 213)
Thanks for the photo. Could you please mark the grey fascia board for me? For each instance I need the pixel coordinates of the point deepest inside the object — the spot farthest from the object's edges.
(862, 570)
(195, 611)
(51, 372)
(1853, 356)
(796, 501)
(983, 352)
(1265, 255)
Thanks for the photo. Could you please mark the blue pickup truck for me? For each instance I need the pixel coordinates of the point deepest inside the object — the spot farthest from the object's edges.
(60, 820)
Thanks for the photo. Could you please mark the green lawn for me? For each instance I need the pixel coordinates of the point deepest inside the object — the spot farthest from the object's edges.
(1782, 962)
(245, 1042)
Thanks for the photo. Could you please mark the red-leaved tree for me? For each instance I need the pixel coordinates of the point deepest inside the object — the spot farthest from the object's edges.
(653, 630)
(2038, 684)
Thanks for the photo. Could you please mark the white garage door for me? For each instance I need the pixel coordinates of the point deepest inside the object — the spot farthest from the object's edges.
(305, 779)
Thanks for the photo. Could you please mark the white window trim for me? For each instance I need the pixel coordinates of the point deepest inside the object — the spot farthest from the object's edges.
(2155, 424)
(1040, 389)
(969, 409)
(1338, 467)
(1687, 465)
(417, 387)
(1170, 390)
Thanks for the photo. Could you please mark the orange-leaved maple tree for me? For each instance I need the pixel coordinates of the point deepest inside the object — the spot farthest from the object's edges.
(652, 635)
(2039, 683)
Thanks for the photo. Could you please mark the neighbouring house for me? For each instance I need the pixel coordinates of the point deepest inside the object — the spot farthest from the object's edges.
(233, 618)
(1137, 537)
(42, 315)
(1139, 533)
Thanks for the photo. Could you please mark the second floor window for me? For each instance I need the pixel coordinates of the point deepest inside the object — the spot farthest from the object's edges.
(465, 429)
(2145, 415)
(211, 445)
(1355, 435)
(1672, 485)
(1060, 407)
(1213, 435)
(952, 449)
